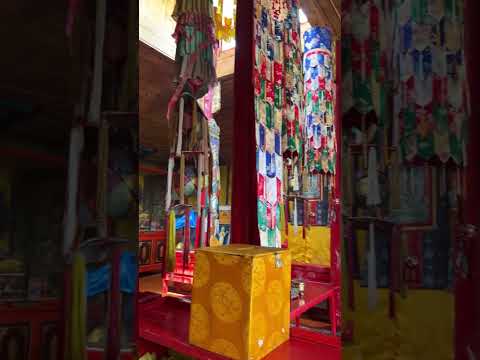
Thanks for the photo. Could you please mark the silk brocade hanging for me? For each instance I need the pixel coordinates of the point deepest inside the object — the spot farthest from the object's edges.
(278, 88)
(320, 145)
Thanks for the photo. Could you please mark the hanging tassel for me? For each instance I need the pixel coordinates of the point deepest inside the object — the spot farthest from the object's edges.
(97, 84)
(295, 217)
(373, 196)
(205, 221)
(365, 142)
(305, 218)
(443, 180)
(402, 256)
(103, 147)
(296, 185)
(195, 125)
(197, 231)
(283, 222)
(199, 184)
(458, 182)
(70, 226)
(322, 186)
(182, 179)
(206, 184)
(180, 127)
(78, 336)
(286, 207)
(395, 181)
(372, 266)
(168, 196)
(186, 239)
(171, 242)
(386, 150)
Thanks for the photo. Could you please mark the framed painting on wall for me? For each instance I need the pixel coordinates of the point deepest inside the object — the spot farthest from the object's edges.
(418, 199)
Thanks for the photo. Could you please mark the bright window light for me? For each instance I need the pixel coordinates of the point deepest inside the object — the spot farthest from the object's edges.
(227, 45)
(303, 17)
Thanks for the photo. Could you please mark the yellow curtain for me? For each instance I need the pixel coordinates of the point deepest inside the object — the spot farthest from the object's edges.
(314, 249)
(405, 337)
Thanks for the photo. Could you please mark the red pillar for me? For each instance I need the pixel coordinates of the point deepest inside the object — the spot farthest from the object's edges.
(467, 295)
(335, 240)
(244, 193)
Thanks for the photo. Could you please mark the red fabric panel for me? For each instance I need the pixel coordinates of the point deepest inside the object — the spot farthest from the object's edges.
(244, 194)
(467, 311)
(335, 243)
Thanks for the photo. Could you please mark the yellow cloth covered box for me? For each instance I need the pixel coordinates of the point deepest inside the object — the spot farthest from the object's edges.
(240, 300)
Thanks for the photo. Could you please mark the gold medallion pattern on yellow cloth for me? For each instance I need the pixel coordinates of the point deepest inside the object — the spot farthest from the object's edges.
(203, 269)
(256, 283)
(226, 302)
(274, 295)
(223, 259)
(199, 324)
(225, 347)
(241, 306)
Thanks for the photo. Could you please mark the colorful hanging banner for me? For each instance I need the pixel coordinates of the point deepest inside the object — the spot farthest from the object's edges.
(320, 145)
(278, 96)
(431, 86)
(214, 138)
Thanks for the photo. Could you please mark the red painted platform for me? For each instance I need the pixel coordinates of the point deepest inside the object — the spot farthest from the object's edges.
(163, 323)
(311, 272)
(314, 294)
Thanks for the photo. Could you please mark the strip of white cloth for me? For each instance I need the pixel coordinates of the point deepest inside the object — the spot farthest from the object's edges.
(70, 224)
(372, 265)
(168, 196)
(97, 84)
(373, 195)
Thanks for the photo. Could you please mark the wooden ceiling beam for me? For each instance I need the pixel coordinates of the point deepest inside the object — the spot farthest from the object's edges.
(323, 13)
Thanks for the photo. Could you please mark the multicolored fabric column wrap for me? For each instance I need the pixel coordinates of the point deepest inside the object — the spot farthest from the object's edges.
(278, 95)
(196, 44)
(320, 145)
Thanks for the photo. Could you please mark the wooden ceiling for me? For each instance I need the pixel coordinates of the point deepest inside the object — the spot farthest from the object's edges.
(324, 13)
(43, 69)
(156, 73)
(36, 71)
